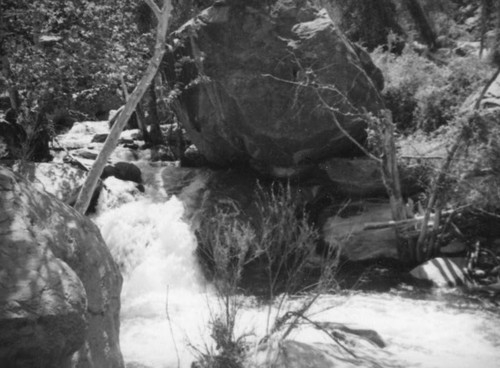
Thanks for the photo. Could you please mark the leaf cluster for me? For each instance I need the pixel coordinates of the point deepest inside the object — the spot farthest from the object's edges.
(59, 51)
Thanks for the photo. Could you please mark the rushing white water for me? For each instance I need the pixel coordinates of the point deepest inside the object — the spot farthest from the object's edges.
(155, 248)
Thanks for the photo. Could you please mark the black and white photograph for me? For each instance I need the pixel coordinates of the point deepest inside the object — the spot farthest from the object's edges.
(249, 183)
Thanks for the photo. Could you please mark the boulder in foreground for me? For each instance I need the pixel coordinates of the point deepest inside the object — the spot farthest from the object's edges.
(59, 286)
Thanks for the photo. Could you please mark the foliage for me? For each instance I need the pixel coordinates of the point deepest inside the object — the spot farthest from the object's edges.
(230, 352)
(64, 53)
(367, 22)
(275, 237)
(424, 95)
(475, 179)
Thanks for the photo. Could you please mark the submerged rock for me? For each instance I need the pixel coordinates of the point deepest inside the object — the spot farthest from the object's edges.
(295, 354)
(248, 77)
(59, 286)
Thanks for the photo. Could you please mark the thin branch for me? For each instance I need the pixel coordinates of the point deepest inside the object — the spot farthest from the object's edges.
(345, 132)
(156, 10)
(485, 89)
(172, 332)
(332, 336)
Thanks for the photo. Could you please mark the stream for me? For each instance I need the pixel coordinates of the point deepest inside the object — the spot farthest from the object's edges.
(167, 306)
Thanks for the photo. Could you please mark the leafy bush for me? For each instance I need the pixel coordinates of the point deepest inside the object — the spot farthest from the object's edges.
(424, 95)
(476, 171)
(230, 351)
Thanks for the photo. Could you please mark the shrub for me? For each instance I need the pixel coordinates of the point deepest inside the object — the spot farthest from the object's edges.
(476, 170)
(406, 76)
(424, 95)
(230, 352)
(274, 235)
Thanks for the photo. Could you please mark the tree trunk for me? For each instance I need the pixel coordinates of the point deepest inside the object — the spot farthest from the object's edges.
(15, 100)
(88, 188)
(392, 182)
(155, 135)
(423, 23)
(138, 113)
(484, 24)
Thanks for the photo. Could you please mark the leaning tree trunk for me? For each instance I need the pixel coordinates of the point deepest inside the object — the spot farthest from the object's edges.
(162, 15)
(423, 23)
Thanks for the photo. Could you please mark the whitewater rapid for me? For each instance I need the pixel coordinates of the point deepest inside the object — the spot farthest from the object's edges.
(167, 306)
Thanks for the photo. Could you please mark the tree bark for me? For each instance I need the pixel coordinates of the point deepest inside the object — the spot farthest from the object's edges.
(95, 172)
(14, 98)
(155, 136)
(138, 113)
(392, 182)
(423, 23)
(484, 25)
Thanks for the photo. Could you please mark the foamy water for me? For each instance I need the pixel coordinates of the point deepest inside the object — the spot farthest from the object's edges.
(155, 249)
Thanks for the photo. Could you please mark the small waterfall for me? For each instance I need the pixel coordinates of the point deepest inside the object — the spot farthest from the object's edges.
(155, 250)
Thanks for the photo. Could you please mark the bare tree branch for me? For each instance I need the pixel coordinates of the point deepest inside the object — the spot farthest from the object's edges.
(156, 10)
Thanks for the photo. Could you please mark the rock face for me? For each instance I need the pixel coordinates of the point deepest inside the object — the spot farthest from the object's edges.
(359, 177)
(347, 232)
(442, 271)
(247, 75)
(59, 287)
(59, 179)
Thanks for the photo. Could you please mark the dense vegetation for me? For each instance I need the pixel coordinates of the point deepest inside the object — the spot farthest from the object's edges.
(79, 59)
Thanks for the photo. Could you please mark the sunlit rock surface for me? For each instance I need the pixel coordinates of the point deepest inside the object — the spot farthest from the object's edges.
(443, 271)
(59, 179)
(59, 286)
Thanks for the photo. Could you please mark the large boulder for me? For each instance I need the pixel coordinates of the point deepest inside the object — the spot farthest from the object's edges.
(61, 180)
(251, 82)
(12, 138)
(59, 286)
(123, 171)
